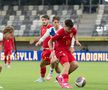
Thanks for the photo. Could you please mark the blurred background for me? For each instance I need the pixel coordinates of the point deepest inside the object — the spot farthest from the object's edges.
(90, 18)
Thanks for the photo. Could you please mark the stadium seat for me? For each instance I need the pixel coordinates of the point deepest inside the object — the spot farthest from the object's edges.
(98, 22)
(21, 32)
(3, 13)
(55, 7)
(23, 27)
(18, 13)
(33, 27)
(30, 7)
(5, 8)
(34, 12)
(64, 12)
(49, 12)
(15, 8)
(76, 7)
(9, 23)
(21, 18)
(2, 27)
(79, 12)
(40, 7)
(11, 17)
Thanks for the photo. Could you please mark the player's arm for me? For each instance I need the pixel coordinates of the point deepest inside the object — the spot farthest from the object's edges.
(43, 37)
(75, 37)
(77, 41)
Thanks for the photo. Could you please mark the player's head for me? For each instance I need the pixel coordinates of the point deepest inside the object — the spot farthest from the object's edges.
(56, 21)
(45, 20)
(8, 32)
(68, 25)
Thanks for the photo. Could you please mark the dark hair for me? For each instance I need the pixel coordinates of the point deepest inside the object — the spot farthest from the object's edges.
(45, 16)
(69, 23)
(56, 18)
(8, 29)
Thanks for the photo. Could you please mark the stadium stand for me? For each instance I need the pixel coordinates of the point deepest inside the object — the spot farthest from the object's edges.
(25, 19)
(101, 27)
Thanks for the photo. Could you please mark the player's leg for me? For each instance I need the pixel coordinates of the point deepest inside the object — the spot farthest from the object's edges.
(45, 61)
(52, 65)
(9, 58)
(63, 78)
(73, 66)
(73, 63)
(57, 68)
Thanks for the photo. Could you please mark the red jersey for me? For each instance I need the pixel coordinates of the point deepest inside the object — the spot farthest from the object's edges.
(63, 39)
(43, 30)
(8, 44)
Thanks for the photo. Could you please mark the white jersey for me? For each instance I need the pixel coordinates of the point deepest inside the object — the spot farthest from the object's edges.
(50, 32)
(1, 36)
(73, 42)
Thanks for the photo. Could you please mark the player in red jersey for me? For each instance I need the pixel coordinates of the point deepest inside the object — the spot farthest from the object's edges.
(8, 43)
(63, 39)
(51, 32)
(46, 51)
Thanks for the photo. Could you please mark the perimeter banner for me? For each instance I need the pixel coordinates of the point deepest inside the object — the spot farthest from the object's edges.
(101, 56)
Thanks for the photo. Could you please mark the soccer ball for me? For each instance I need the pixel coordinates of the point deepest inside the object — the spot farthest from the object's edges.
(80, 81)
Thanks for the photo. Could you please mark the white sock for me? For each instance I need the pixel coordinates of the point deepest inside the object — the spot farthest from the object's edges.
(51, 71)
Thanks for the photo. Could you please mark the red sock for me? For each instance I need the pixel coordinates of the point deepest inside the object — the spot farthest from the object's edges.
(65, 77)
(9, 60)
(43, 71)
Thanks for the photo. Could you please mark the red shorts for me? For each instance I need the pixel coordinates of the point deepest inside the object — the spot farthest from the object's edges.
(46, 55)
(7, 52)
(65, 56)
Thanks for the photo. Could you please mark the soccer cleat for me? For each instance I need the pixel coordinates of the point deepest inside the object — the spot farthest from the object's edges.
(49, 77)
(59, 80)
(66, 85)
(40, 80)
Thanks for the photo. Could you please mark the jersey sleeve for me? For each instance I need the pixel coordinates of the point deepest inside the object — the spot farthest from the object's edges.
(13, 44)
(72, 42)
(74, 31)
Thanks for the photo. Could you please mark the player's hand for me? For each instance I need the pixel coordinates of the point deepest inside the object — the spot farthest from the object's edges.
(31, 42)
(78, 43)
(38, 43)
(72, 49)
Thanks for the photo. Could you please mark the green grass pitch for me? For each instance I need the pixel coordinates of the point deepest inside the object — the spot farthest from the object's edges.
(22, 74)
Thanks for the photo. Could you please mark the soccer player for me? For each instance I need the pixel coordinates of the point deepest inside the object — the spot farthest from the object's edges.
(8, 43)
(63, 39)
(46, 51)
(51, 32)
